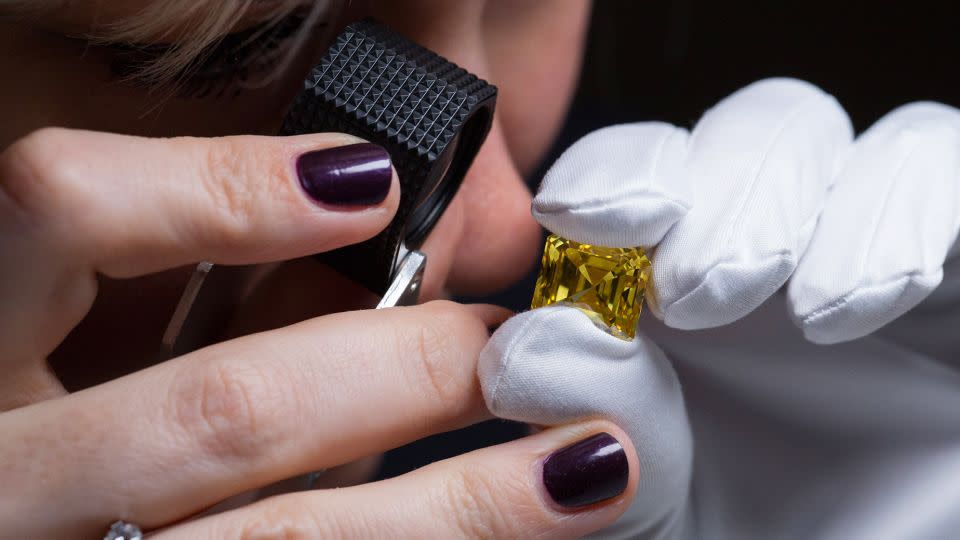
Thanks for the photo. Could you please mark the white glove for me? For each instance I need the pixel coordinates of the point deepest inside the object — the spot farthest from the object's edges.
(790, 439)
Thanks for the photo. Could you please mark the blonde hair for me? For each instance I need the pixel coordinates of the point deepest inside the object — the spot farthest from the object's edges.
(189, 27)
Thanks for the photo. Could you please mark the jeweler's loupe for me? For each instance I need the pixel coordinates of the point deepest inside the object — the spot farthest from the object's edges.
(430, 115)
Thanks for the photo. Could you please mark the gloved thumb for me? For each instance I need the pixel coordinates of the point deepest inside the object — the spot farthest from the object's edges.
(553, 365)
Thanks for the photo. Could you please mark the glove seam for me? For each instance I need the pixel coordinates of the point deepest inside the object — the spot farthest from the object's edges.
(887, 195)
(747, 194)
(658, 154)
(837, 304)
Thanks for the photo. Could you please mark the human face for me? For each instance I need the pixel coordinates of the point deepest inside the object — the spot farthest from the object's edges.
(530, 49)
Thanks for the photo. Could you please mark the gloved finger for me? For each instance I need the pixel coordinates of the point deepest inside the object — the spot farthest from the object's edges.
(621, 186)
(886, 228)
(761, 162)
(553, 365)
(561, 483)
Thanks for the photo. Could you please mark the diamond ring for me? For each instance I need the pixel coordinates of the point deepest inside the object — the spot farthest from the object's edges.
(122, 530)
(606, 283)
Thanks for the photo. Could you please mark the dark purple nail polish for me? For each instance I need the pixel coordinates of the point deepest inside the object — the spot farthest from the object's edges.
(354, 175)
(592, 470)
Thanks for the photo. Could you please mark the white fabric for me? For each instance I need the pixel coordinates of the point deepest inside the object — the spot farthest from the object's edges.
(756, 168)
(632, 175)
(886, 228)
(601, 375)
(788, 438)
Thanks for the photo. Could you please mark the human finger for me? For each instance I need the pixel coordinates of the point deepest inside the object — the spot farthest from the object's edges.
(552, 365)
(77, 204)
(242, 414)
(761, 163)
(561, 483)
(886, 229)
(161, 203)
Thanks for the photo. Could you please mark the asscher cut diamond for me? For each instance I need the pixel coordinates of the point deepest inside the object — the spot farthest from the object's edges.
(605, 283)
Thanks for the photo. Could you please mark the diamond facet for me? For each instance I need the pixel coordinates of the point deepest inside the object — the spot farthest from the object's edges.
(605, 283)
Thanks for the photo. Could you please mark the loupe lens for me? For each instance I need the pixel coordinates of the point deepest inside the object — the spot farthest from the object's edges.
(435, 197)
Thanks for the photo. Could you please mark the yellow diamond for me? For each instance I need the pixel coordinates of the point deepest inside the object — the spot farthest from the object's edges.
(606, 283)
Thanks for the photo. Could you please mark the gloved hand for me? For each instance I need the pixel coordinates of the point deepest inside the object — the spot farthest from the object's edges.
(786, 437)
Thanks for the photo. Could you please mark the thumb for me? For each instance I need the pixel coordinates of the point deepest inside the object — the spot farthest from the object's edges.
(552, 366)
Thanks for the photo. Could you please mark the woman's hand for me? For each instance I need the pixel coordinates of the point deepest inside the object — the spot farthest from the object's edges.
(77, 204)
(162, 444)
(485, 240)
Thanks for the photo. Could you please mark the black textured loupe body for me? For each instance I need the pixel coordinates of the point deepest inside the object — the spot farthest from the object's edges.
(429, 114)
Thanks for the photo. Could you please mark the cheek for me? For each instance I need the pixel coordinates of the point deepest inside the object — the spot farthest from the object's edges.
(532, 118)
(534, 51)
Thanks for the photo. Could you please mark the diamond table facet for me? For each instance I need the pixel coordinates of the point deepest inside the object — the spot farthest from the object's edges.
(606, 283)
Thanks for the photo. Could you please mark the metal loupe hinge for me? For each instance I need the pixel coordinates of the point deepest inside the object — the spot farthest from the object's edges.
(404, 289)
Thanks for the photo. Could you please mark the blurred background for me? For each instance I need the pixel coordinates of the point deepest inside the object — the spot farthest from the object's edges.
(671, 60)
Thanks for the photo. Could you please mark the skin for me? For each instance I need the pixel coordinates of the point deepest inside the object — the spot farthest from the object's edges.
(500, 41)
(104, 228)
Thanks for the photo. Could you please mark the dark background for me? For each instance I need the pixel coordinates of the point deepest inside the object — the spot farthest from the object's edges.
(672, 60)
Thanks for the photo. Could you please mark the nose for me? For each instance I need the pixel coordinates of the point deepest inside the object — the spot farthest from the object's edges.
(487, 239)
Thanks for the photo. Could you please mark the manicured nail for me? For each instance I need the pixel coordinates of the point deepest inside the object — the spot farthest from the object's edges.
(587, 472)
(354, 175)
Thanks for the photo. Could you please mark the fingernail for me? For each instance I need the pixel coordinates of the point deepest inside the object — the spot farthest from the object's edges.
(353, 175)
(587, 472)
